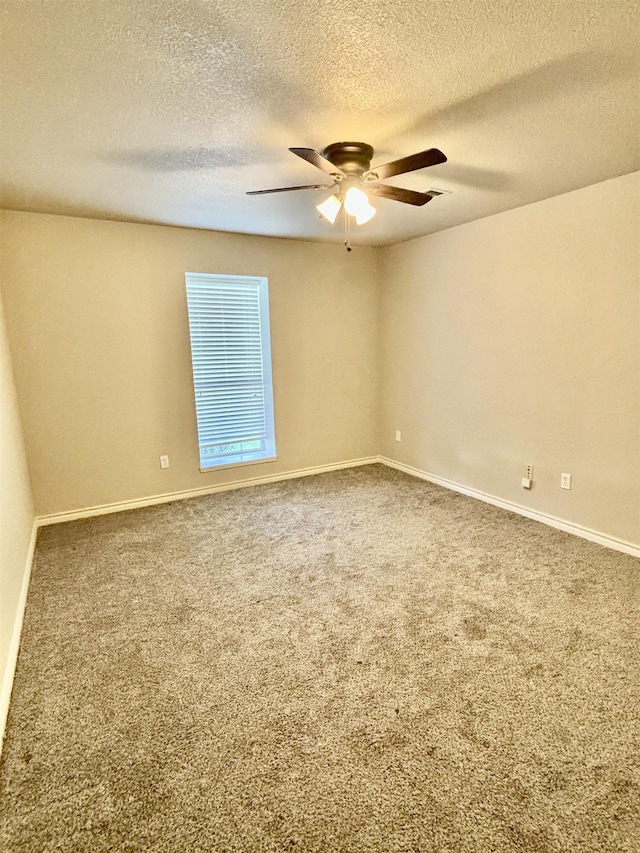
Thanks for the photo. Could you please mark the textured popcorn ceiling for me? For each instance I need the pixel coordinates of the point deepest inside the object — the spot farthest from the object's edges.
(170, 111)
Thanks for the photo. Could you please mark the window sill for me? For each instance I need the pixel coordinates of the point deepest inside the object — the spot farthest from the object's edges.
(227, 465)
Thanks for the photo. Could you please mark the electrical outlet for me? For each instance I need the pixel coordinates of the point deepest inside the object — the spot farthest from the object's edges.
(565, 481)
(164, 461)
(528, 472)
(398, 435)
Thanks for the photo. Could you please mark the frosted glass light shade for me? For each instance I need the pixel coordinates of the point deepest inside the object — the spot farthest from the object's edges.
(365, 215)
(357, 204)
(330, 207)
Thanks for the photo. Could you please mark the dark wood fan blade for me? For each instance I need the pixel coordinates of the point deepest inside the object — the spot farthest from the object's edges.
(431, 157)
(399, 194)
(317, 160)
(289, 189)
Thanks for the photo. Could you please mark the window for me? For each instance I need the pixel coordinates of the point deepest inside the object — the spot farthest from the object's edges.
(231, 357)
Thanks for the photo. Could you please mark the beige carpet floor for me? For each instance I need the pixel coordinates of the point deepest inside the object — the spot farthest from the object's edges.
(358, 661)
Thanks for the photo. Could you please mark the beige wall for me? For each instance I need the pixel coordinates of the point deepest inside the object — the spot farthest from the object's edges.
(507, 341)
(97, 321)
(16, 520)
(515, 340)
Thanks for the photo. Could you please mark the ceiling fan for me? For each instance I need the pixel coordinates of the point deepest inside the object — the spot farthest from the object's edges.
(349, 164)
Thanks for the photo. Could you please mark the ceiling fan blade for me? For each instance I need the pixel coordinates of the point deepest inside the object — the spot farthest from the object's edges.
(289, 189)
(431, 157)
(399, 194)
(317, 160)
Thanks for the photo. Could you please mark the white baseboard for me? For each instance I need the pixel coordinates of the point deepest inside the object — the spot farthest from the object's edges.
(14, 646)
(104, 509)
(550, 520)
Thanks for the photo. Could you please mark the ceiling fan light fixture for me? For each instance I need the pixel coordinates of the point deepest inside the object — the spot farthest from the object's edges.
(330, 208)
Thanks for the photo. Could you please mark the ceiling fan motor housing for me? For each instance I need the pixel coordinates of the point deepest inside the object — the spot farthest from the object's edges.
(352, 158)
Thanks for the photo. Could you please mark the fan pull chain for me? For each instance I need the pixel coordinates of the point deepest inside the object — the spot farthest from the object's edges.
(347, 230)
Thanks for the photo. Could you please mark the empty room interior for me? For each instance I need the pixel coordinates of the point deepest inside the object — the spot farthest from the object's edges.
(320, 426)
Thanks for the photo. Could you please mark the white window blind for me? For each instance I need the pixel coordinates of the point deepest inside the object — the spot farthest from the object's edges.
(231, 357)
